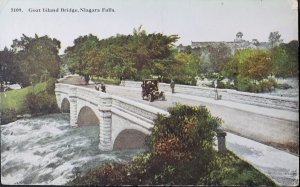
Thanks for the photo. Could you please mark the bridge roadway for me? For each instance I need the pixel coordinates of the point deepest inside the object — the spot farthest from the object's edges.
(281, 166)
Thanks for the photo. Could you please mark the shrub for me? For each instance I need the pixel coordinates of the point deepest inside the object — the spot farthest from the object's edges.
(50, 87)
(7, 116)
(221, 85)
(227, 169)
(41, 103)
(284, 86)
(256, 88)
(181, 142)
(265, 86)
(244, 84)
(247, 85)
(268, 85)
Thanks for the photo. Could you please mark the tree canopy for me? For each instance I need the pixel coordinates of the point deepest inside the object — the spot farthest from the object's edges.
(130, 56)
(36, 57)
(9, 69)
(275, 39)
(252, 63)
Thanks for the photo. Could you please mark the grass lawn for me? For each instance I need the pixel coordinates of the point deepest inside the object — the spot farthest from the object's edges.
(14, 99)
(231, 170)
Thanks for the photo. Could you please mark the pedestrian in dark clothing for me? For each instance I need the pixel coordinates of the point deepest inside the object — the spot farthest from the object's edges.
(103, 89)
(172, 85)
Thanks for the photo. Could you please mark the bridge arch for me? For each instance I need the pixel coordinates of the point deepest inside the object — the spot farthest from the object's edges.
(130, 139)
(87, 117)
(65, 106)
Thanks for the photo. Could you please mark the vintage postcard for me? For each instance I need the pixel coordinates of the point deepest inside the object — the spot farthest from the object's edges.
(149, 92)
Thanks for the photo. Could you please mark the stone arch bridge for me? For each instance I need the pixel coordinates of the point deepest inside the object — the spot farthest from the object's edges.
(121, 121)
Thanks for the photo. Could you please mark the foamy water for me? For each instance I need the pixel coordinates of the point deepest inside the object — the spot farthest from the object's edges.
(46, 150)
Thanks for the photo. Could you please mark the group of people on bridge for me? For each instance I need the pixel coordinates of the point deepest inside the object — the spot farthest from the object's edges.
(103, 88)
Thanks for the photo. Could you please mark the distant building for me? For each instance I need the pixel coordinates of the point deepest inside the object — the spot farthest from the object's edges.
(180, 47)
(237, 44)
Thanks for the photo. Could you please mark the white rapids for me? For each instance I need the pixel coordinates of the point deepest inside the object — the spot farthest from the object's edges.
(46, 150)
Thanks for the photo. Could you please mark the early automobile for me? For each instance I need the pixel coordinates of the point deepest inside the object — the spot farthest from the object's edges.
(150, 90)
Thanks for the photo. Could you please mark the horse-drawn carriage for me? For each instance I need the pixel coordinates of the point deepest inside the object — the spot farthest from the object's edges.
(150, 90)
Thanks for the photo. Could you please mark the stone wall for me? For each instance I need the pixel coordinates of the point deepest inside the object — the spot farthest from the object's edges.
(263, 100)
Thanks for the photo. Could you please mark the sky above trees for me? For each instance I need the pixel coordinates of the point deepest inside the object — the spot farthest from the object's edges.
(192, 20)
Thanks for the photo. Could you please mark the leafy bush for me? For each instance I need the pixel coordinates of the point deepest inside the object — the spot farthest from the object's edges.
(221, 85)
(228, 85)
(180, 151)
(41, 103)
(255, 88)
(247, 85)
(228, 169)
(183, 141)
(244, 84)
(50, 87)
(7, 116)
(284, 86)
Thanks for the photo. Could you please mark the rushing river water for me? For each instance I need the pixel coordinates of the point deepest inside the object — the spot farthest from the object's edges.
(46, 150)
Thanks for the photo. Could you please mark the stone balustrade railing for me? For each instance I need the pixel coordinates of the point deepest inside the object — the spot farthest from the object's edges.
(263, 100)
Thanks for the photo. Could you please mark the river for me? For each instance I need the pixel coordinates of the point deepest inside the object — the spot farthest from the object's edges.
(46, 150)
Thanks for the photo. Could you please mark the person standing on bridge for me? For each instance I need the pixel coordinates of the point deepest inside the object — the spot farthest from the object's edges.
(103, 88)
(172, 85)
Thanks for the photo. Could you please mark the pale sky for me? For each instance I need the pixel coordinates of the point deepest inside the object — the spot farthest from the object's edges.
(192, 20)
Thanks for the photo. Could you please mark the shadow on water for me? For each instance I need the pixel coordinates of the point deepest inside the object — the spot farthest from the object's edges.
(46, 150)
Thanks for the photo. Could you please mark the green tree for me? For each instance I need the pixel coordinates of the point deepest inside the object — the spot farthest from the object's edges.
(279, 58)
(275, 39)
(117, 55)
(257, 65)
(231, 69)
(285, 60)
(251, 63)
(84, 56)
(183, 141)
(37, 55)
(186, 68)
(9, 69)
(218, 55)
(148, 50)
(292, 65)
(129, 56)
